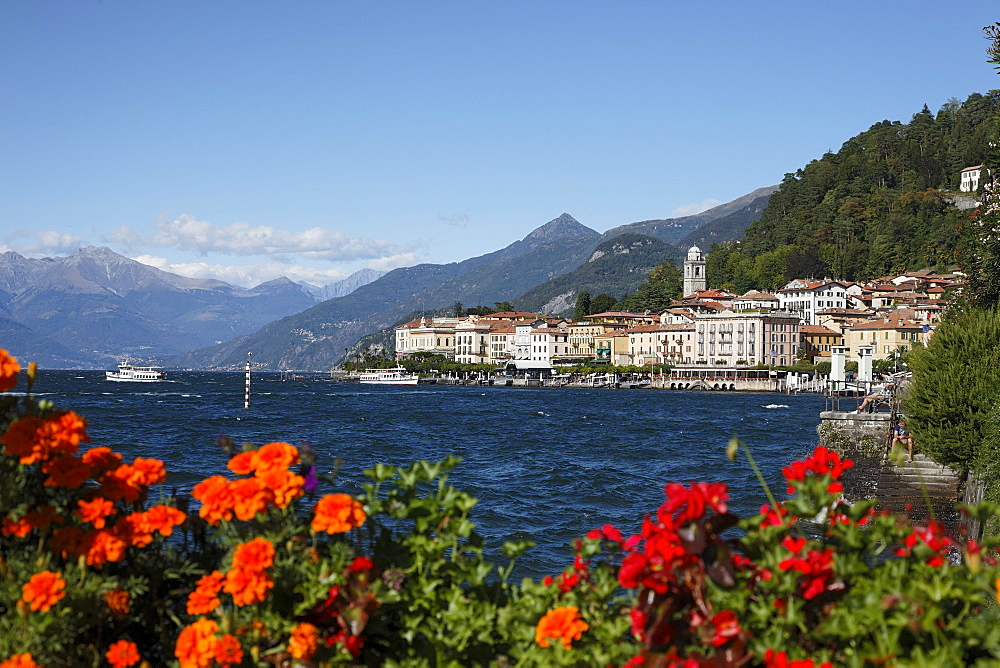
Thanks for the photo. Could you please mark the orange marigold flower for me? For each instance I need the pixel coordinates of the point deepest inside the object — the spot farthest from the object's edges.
(228, 651)
(283, 485)
(196, 643)
(19, 527)
(205, 598)
(22, 441)
(303, 641)
(34, 439)
(247, 586)
(120, 484)
(103, 546)
(275, 456)
(118, 602)
(66, 471)
(9, 368)
(95, 511)
(20, 661)
(101, 460)
(43, 590)
(254, 555)
(148, 471)
(122, 654)
(249, 497)
(562, 624)
(337, 513)
(216, 499)
(134, 530)
(163, 518)
(243, 463)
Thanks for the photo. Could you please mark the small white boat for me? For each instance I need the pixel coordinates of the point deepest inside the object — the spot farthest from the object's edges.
(397, 376)
(136, 374)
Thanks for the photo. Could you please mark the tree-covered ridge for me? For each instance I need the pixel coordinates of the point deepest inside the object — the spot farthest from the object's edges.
(878, 205)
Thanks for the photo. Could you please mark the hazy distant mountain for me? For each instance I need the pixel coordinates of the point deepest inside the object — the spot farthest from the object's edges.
(345, 286)
(616, 267)
(675, 230)
(96, 306)
(316, 338)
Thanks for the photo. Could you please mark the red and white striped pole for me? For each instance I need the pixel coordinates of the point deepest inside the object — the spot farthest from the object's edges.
(246, 394)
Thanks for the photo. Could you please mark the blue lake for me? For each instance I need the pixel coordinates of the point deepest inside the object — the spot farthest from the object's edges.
(546, 464)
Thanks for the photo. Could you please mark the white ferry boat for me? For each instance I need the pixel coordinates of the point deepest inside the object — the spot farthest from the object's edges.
(137, 374)
(397, 376)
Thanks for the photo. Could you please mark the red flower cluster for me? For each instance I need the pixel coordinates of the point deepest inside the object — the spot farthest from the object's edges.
(816, 567)
(929, 542)
(773, 659)
(654, 567)
(822, 462)
(9, 368)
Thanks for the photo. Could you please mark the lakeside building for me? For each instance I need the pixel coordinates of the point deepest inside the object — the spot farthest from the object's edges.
(434, 335)
(748, 338)
(582, 336)
(661, 344)
(502, 344)
(549, 343)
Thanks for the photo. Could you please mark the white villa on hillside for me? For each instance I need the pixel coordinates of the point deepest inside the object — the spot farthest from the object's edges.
(805, 298)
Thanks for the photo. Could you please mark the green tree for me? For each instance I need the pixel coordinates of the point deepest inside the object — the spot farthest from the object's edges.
(956, 384)
(502, 307)
(582, 305)
(602, 303)
(457, 310)
(663, 285)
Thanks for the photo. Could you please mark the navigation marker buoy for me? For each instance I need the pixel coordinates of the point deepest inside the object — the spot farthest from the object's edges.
(246, 394)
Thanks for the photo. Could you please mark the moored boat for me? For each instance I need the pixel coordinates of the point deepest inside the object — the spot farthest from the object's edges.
(396, 376)
(137, 374)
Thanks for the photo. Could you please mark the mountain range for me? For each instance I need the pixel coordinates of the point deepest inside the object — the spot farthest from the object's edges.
(320, 336)
(95, 306)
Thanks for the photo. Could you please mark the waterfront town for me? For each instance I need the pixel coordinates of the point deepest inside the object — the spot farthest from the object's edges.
(806, 320)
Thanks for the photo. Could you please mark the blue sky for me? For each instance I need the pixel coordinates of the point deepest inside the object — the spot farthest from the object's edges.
(249, 140)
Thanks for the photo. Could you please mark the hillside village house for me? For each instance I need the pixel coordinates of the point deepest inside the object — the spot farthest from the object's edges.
(970, 179)
(756, 301)
(805, 298)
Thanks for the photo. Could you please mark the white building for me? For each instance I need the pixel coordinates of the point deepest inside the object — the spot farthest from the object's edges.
(805, 298)
(548, 343)
(694, 271)
(472, 342)
(749, 338)
(970, 179)
(755, 301)
(434, 335)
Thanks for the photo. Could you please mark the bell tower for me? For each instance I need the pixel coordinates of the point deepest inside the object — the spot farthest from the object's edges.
(694, 271)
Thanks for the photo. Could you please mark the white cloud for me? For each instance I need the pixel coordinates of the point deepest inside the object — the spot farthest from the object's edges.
(248, 275)
(44, 243)
(692, 209)
(187, 233)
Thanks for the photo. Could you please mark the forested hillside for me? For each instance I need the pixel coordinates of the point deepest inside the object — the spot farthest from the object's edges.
(880, 204)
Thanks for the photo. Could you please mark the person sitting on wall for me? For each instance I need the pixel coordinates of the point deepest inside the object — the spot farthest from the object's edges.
(879, 393)
(902, 436)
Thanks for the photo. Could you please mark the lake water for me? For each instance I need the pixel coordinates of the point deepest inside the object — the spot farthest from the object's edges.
(546, 464)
